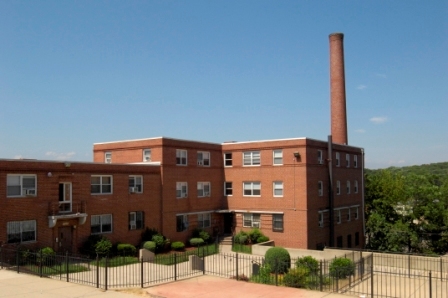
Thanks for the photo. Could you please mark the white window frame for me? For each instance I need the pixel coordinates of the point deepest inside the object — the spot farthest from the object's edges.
(184, 225)
(251, 158)
(320, 188)
(103, 221)
(321, 219)
(338, 187)
(277, 186)
(203, 158)
(227, 188)
(277, 220)
(181, 157)
(320, 157)
(355, 161)
(204, 220)
(348, 187)
(228, 161)
(134, 186)
(134, 218)
(338, 159)
(181, 190)
(253, 187)
(19, 228)
(204, 189)
(347, 160)
(356, 212)
(355, 186)
(101, 184)
(25, 190)
(146, 155)
(108, 157)
(277, 157)
(252, 220)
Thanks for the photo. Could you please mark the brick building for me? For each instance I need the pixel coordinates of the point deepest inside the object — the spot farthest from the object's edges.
(300, 192)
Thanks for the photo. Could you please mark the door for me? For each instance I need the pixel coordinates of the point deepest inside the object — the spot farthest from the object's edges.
(65, 197)
(65, 239)
(228, 223)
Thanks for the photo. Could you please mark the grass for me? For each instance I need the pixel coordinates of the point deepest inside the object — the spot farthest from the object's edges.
(56, 269)
(169, 259)
(242, 248)
(116, 261)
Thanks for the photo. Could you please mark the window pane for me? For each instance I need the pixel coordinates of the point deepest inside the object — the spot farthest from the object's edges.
(29, 182)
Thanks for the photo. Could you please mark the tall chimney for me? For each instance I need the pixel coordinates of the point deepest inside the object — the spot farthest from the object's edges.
(337, 86)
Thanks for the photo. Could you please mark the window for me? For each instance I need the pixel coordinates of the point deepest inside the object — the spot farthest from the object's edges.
(320, 188)
(101, 224)
(181, 157)
(204, 159)
(347, 160)
(147, 155)
(356, 238)
(227, 159)
(228, 191)
(277, 157)
(181, 189)
(338, 187)
(320, 157)
(251, 188)
(100, 184)
(349, 240)
(181, 223)
(21, 185)
(355, 186)
(355, 161)
(251, 220)
(108, 157)
(278, 188)
(339, 241)
(136, 221)
(203, 189)
(321, 219)
(338, 159)
(348, 214)
(251, 158)
(21, 231)
(277, 222)
(338, 216)
(135, 184)
(204, 220)
(356, 211)
(348, 187)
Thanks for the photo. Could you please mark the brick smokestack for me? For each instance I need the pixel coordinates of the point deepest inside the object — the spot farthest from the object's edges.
(337, 87)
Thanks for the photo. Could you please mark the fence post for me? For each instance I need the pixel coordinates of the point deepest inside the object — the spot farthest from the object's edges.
(430, 285)
(97, 272)
(321, 281)
(66, 264)
(105, 273)
(441, 269)
(141, 272)
(276, 272)
(41, 260)
(409, 266)
(236, 267)
(371, 278)
(175, 267)
(17, 261)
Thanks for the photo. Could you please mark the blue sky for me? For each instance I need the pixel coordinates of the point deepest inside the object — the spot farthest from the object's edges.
(73, 73)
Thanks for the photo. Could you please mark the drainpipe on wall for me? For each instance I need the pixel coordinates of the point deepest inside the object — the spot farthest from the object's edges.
(330, 189)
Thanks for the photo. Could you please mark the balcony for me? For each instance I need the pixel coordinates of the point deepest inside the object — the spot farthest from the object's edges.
(66, 210)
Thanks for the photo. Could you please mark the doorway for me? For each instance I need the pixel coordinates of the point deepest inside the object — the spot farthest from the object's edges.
(65, 239)
(228, 223)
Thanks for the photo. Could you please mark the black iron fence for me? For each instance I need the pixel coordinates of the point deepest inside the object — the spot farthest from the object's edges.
(370, 274)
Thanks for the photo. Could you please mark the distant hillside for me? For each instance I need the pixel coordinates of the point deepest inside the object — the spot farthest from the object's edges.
(440, 169)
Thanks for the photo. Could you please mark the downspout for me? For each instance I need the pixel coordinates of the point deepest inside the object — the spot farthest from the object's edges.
(330, 189)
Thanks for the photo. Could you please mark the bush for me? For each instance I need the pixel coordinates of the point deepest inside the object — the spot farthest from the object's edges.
(160, 242)
(262, 239)
(150, 245)
(308, 262)
(296, 277)
(148, 233)
(103, 247)
(241, 238)
(196, 241)
(204, 236)
(177, 245)
(88, 247)
(263, 276)
(254, 234)
(45, 255)
(125, 249)
(342, 267)
(278, 259)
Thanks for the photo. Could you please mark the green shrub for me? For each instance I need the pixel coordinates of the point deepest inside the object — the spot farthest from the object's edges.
(263, 276)
(177, 245)
(296, 277)
(125, 249)
(150, 245)
(204, 236)
(147, 234)
(160, 241)
(262, 239)
(308, 262)
(45, 255)
(342, 267)
(241, 238)
(103, 247)
(88, 247)
(254, 234)
(196, 241)
(278, 259)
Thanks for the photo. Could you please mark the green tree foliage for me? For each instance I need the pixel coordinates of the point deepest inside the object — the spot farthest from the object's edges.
(407, 209)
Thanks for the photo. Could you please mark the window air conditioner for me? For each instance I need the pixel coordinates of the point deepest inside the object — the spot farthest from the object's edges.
(184, 195)
(133, 189)
(321, 224)
(30, 192)
(321, 161)
(200, 163)
(133, 226)
(206, 194)
(256, 225)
